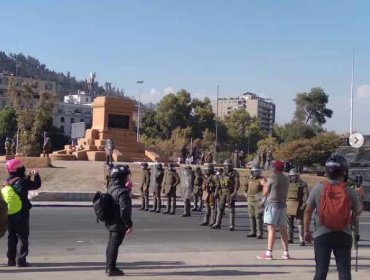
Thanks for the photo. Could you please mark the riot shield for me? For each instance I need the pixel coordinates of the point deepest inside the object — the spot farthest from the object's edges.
(186, 184)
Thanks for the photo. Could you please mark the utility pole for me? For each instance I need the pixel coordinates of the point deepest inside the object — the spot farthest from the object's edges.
(216, 130)
(138, 112)
(351, 107)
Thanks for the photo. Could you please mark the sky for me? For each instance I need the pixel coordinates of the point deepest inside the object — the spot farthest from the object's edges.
(275, 49)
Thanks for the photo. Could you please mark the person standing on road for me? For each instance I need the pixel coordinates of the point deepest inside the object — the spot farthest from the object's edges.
(325, 238)
(276, 191)
(109, 146)
(226, 193)
(157, 189)
(253, 193)
(171, 181)
(197, 191)
(46, 148)
(121, 222)
(15, 194)
(210, 185)
(144, 188)
(296, 203)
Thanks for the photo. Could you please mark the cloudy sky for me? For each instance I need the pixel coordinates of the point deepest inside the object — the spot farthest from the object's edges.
(273, 48)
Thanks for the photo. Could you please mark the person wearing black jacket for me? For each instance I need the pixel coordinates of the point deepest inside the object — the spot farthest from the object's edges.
(18, 223)
(121, 222)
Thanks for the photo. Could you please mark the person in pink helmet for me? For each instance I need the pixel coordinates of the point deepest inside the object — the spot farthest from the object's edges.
(18, 223)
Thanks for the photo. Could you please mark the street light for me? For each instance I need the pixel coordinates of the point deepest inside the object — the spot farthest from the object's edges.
(138, 112)
(216, 132)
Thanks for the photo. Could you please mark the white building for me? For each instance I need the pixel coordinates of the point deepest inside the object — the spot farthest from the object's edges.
(75, 108)
(261, 108)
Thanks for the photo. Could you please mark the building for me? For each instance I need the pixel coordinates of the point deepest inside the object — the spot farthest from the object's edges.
(261, 108)
(38, 86)
(75, 108)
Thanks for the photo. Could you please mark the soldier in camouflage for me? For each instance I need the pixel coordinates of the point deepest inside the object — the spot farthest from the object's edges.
(210, 184)
(144, 188)
(296, 204)
(197, 190)
(171, 181)
(226, 193)
(159, 173)
(253, 193)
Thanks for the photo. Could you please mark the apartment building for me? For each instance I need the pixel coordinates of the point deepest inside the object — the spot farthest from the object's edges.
(261, 108)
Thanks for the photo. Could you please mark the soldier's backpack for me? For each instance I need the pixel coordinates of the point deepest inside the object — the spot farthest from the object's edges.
(103, 204)
(335, 207)
(3, 216)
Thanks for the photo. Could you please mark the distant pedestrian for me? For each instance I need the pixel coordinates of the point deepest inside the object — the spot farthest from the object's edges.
(236, 159)
(14, 145)
(8, 146)
(264, 159)
(276, 191)
(333, 230)
(270, 157)
(109, 146)
(15, 194)
(121, 223)
(46, 147)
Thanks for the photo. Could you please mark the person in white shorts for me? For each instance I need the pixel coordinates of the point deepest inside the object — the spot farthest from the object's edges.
(276, 192)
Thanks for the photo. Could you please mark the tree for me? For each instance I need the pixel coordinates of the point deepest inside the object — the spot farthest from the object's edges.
(293, 131)
(242, 130)
(202, 117)
(32, 112)
(311, 107)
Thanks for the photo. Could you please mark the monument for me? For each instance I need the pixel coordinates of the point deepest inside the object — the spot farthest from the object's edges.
(111, 118)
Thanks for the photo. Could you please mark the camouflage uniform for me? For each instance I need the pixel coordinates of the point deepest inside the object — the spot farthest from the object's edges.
(159, 173)
(355, 183)
(144, 188)
(296, 203)
(171, 181)
(210, 184)
(253, 193)
(197, 191)
(226, 193)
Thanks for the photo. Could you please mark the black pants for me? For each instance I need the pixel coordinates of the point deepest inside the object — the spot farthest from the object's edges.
(338, 242)
(19, 231)
(114, 241)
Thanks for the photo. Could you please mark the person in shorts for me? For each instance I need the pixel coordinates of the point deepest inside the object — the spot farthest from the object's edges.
(276, 192)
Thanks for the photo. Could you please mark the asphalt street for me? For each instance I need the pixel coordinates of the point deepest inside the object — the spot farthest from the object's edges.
(74, 231)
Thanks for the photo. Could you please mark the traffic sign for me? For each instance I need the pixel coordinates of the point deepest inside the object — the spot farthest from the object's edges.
(356, 140)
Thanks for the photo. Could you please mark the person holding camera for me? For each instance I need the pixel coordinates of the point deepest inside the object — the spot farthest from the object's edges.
(15, 194)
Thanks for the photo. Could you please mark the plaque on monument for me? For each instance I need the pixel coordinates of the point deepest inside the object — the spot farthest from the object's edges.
(118, 121)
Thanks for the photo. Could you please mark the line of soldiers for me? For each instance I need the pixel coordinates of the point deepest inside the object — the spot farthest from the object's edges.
(216, 190)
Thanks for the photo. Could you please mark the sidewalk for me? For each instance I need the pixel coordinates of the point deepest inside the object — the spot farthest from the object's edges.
(194, 265)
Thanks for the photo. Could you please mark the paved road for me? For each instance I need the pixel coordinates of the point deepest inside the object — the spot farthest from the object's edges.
(66, 242)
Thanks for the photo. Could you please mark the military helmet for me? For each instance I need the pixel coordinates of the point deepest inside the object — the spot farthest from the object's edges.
(228, 165)
(144, 165)
(293, 174)
(209, 168)
(256, 171)
(171, 166)
(336, 166)
(159, 166)
(119, 172)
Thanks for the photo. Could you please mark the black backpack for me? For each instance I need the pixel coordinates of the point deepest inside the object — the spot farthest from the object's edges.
(104, 205)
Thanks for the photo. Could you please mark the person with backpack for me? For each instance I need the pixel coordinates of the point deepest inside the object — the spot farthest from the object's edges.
(120, 221)
(15, 194)
(334, 202)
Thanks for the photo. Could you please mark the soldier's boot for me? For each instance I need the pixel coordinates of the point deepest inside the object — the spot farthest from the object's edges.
(301, 238)
(154, 205)
(186, 208)
(142, 203)
(259, 222)
(217, 225)
(252, 224)
(159, 205)
(195, 208)
(232, 219)
(168, 206)
(200, 205)
(146, 208)
(207, 215)
(173, 211)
